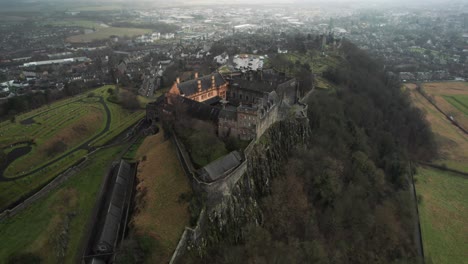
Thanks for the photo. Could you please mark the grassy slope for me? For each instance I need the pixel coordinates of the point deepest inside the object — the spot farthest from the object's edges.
(162, 180)
(452, 142)
(121, 119)
(35, 229)
(443, 212)
(76, 131)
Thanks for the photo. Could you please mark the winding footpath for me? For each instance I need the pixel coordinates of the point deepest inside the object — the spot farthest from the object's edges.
(83, 146)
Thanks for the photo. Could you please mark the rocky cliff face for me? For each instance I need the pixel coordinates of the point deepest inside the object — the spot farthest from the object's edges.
(226, 216)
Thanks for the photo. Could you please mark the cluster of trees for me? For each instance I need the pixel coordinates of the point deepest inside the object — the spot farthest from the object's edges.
(124, 97)
(301, 71)
(346, 198)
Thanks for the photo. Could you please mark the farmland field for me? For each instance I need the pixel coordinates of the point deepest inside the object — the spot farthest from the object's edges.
(53, 227)
(443, 207)
(161, 217)
(443, 211)
(105, 33)
(452, 142)
(458, 101)
(452, 98)
(75, 23)
(43, 143)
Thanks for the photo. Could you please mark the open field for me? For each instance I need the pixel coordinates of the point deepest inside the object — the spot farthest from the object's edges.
(458, 101)
(75, 23)
(452, 98)
(452, 142)
(108, 7)
(12, 19)
(160, 216)
(58, 135)
(105, 33)
(443, 211)
(54, 226)
(443, 208)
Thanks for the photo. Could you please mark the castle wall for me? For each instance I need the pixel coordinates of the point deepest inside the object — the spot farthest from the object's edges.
(268, 119)
(218, 188)
(237, 95)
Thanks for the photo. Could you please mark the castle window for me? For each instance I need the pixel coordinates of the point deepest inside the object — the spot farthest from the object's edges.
(247, 98)
(240, 96)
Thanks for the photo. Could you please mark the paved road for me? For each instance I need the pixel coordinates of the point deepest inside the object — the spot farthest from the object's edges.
(84, 146)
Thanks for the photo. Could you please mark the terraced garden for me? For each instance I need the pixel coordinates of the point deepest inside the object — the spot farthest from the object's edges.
(44, 142)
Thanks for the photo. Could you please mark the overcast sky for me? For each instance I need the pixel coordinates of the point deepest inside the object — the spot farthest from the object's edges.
(195, 2)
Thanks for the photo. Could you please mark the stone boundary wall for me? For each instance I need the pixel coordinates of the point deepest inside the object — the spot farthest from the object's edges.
(221, 186)
(57, 181)
(189, 235)
(61, 178)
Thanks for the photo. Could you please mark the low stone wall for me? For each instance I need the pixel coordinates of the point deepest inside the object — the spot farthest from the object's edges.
(57, 181)
(219, 187)
(62, 177)
(189, 236)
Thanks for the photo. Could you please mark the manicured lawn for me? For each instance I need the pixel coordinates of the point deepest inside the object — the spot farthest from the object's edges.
(63, 212)
(81, 124)
(160, 216)
(72, 121)
(459, 101)
(443, 214)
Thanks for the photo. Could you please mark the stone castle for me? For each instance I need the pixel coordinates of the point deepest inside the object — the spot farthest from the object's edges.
(241, 105)
(245, 106)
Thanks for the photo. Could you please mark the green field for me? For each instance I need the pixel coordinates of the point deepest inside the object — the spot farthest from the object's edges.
(458, 101)
(443, 207)
(74, 23)
(74, 122)
(105, 33)
(443, 212)
(60, 216)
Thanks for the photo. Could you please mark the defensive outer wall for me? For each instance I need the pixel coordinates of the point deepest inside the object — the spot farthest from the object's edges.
(225, 183)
